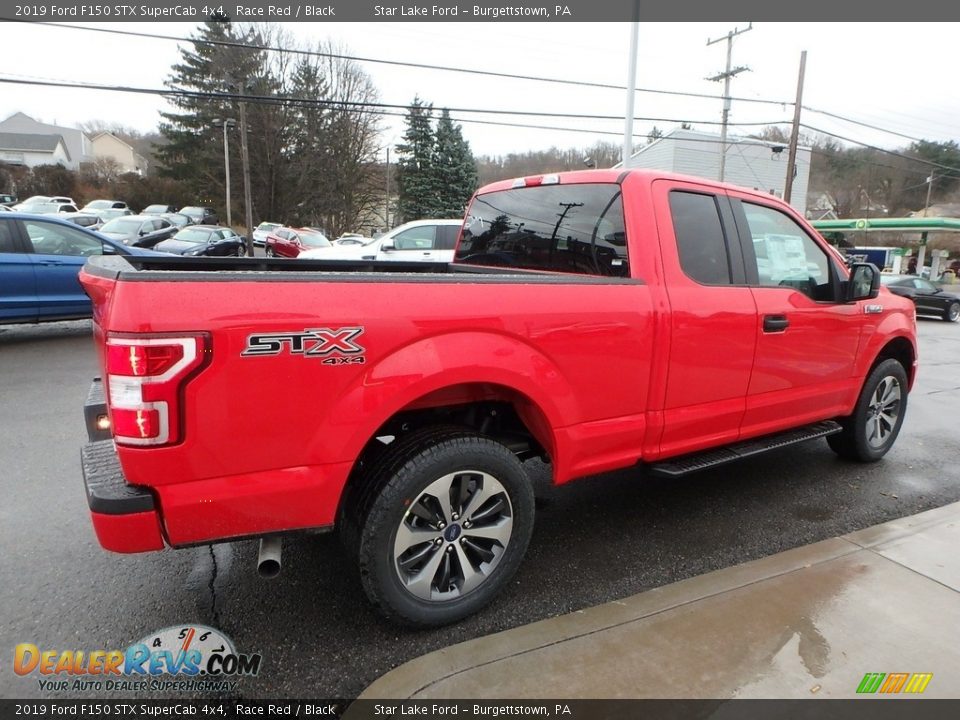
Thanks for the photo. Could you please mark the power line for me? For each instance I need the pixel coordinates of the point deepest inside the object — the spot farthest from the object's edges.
(343, 104)
(446, 68)
(398, 63)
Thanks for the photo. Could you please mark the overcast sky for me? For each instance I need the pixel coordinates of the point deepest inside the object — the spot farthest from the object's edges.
(900, 77)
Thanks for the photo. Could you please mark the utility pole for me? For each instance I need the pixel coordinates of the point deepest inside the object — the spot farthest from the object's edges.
(386, 209)
(226, 123)
(631, 85)
(725, 76)
(795, 133)
(245, 160)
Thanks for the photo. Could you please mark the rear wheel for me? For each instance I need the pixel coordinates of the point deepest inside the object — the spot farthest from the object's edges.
(952, 313)
(269, 252)
(873, 427)
(447, 528)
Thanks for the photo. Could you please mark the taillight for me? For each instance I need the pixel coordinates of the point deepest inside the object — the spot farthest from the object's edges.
(145, 377)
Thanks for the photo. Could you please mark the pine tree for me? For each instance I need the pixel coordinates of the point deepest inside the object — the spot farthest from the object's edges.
(416, 180)
(193, 144)
(455, 169)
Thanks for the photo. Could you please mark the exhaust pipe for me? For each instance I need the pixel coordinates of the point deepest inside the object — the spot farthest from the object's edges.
(268, 558)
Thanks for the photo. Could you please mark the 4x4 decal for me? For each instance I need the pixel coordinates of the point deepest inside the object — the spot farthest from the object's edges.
(337, 346)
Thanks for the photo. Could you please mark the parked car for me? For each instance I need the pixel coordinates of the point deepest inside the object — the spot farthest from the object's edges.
(6, 208)
(7, 200)
(291, 242)
(114, 213)
(181, 221)
(49, 207)
(929, 299)
(207, 240)
(200, 215)
(88, 220)
(352, 239)
(262, 230)
(420, 240)
(96, 205)
(139, 230)
(40, 257)
(158, 209)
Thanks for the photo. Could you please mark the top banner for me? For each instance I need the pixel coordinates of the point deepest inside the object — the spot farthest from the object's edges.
(485, 11)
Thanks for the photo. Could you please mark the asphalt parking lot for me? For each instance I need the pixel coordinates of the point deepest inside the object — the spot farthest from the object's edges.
(597, 540)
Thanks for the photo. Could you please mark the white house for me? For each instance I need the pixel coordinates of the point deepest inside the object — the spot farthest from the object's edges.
(32, 150)
(108, 145)
(77, 144)
(748, 162)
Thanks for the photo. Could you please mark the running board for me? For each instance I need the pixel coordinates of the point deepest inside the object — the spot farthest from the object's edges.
(675, 467)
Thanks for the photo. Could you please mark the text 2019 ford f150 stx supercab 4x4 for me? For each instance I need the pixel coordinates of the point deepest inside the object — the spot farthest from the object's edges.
(598, 319)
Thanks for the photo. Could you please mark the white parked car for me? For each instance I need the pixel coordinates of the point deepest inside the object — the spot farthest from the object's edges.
(417, 241)
(262, 230)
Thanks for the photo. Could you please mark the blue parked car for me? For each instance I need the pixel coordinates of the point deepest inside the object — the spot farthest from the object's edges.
(40, 258)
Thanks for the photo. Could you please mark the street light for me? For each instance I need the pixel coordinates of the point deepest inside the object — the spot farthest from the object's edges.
(226, 124)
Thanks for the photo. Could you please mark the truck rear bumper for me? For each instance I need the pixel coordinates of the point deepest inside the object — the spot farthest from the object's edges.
(125, 517)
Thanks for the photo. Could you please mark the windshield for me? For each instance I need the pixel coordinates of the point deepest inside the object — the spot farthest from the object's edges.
(192, 235)
(267, 227)
(155, 209)
(121, 225)
(313, 239)
(100, 204)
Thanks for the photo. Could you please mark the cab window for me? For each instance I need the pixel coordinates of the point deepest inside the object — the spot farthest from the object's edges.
(785, 255)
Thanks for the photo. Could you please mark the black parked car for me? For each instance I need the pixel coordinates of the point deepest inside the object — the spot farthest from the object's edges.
(208, 240)
(200, 215)
(142, 231)
(929, 299)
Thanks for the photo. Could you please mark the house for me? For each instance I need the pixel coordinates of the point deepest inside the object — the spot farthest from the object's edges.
(108, 145)
(76, 143)
(748, 162)
(31, 150)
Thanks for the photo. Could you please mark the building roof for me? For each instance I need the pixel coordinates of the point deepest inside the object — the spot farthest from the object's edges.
(32, 142)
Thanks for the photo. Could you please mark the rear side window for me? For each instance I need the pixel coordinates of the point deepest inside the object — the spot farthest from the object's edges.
(7, 245)
(701, 243)
(447, 236)
(564, 228)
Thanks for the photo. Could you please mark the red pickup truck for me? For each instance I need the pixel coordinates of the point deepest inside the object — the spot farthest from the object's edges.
(598, 320)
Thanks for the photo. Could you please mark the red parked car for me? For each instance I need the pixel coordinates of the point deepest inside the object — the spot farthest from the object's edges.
(290, 242)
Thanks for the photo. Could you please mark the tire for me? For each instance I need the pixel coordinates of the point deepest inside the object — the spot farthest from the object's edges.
(952, 313)
(873, 427)
(269, 252)
(441, 526)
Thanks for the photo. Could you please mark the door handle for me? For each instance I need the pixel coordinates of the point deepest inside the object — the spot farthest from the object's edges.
(775, 323)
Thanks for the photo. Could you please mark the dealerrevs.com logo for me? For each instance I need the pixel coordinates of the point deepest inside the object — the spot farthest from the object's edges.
(180, 658)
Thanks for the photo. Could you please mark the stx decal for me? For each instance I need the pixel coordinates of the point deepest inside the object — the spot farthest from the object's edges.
(330, 343)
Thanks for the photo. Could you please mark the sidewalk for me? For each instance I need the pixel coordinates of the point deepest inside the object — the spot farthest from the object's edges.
(809, 622)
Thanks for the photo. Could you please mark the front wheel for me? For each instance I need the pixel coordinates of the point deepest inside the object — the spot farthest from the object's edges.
(952, 313)
(873, 427)
(448, 528)
(269, 252)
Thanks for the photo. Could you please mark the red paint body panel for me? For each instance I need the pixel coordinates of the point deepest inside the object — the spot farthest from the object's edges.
(604, 374)
(130, 533)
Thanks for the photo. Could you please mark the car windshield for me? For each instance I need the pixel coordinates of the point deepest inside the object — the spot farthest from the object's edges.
(155, 209)
(314, 239)
(267, 227)
(121, 225)
(100, 204)
(192, 235)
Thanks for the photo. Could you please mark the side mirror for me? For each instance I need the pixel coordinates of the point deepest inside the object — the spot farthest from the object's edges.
(108, 250)
(388, 246)
(864, 282)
